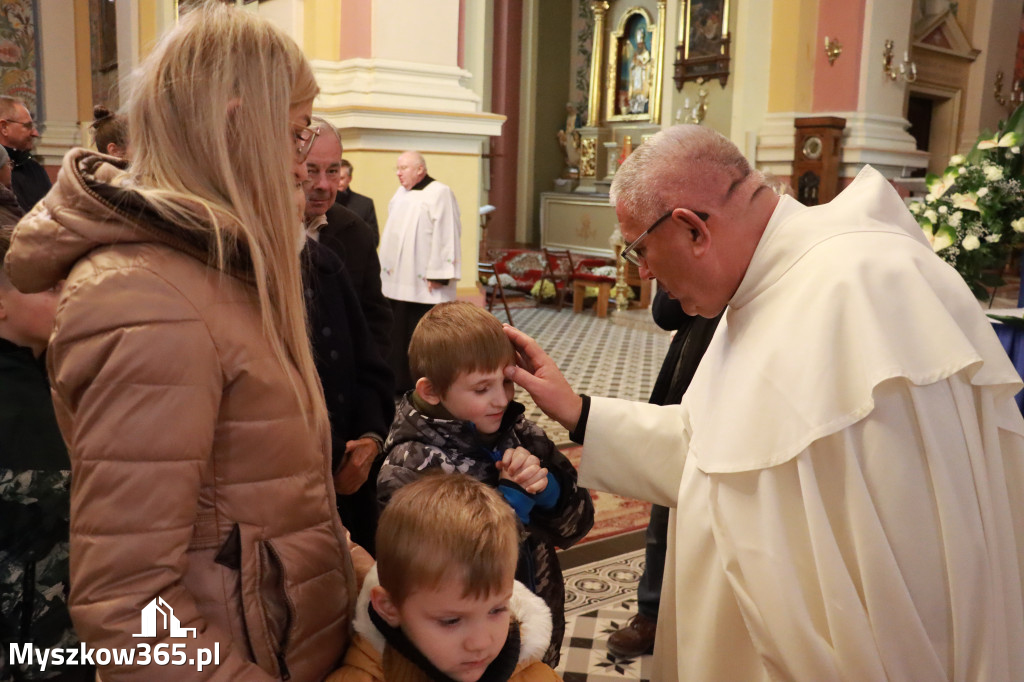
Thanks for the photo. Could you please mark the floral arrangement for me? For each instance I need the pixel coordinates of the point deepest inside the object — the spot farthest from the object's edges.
(974, 212)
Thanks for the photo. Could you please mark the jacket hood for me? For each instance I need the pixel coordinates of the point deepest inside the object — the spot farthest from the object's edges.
(91, 206)
(529, 610)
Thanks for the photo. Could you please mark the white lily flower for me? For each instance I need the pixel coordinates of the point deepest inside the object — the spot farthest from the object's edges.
(982, 191)
(931, 215)
(957, 160)
(971, 243)
(1018, 224)
(943, 209)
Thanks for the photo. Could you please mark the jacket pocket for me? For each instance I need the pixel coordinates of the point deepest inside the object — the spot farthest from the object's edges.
(267, 610)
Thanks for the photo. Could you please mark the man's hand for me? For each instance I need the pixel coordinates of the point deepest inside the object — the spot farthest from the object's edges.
(433, 286)
(523, 469)
(537, 373)
(359, 456)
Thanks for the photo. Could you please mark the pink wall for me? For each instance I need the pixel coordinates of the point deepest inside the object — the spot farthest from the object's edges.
(462, 34)
(356, 27)
(836, 86)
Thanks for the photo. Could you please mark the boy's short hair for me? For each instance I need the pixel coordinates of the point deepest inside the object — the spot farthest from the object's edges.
(457, 337)
(443, 526)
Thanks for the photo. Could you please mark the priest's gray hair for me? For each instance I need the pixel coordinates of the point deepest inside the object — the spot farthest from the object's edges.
(676, 160)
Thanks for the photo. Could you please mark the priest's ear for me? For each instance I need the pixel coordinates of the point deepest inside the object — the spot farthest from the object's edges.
(697, 232)
(425, 390)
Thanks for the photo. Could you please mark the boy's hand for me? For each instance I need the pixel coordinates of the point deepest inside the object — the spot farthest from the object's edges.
(523, 469)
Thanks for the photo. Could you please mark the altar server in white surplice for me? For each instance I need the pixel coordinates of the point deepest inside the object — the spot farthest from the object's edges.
(419, 254)
(846, 470)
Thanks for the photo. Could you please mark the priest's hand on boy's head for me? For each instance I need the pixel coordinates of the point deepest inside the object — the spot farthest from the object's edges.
(523, 469)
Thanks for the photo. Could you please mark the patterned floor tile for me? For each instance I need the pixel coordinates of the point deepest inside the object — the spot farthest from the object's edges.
(601, 598)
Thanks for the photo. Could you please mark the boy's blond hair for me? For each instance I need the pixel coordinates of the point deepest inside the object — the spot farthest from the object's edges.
(455, 338)
(444, 526)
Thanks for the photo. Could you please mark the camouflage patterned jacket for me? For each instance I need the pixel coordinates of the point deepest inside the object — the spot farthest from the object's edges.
(419, 443)
(34, 508)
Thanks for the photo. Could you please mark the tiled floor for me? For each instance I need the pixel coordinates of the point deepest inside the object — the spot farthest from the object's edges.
(600, 598)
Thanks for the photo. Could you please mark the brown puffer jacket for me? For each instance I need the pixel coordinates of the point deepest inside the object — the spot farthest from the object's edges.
(195, 480)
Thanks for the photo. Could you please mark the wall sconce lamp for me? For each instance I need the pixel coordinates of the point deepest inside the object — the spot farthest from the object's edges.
(832, 50)
(1015, 97)
(906, 71)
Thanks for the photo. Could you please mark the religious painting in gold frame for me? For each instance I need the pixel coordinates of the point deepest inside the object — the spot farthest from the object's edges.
(633, 82)
(704, 50)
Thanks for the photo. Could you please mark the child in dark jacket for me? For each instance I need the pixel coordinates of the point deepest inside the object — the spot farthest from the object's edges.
(35, 479)
(461, 418)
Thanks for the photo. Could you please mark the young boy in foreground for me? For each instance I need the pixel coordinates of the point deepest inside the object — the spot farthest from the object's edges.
(442, 603)
(461, 418)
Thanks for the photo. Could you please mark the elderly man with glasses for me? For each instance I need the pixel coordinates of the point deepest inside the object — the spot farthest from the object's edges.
(846, 470)
(18, 134)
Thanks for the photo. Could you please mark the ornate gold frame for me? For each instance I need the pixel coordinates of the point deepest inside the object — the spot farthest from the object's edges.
(694, 62)
(614, 65)
(657, 30)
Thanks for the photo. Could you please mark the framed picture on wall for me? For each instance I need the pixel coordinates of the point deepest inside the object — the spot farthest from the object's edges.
(704, 52)
(633, 82)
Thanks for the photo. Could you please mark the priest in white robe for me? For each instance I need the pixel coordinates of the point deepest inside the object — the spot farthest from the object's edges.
(419, 254)
(846, 470)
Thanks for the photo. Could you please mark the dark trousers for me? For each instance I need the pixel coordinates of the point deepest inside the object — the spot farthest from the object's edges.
(648, 592)
(407, 315)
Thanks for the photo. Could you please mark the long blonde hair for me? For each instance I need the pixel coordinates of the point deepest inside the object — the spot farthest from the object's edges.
(212, 149)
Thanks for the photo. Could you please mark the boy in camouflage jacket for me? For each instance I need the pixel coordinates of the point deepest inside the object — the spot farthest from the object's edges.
(35, 475)
(461, 418)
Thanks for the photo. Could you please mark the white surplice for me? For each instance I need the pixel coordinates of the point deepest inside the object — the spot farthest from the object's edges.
(846, 468)
(421, 243)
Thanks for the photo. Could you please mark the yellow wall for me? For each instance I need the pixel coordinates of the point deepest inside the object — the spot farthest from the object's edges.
(321, 37)
(794, 35)
(375, 177)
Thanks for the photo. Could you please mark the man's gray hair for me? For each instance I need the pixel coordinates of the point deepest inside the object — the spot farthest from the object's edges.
(9, 104)
(327, 128)
(651, 178)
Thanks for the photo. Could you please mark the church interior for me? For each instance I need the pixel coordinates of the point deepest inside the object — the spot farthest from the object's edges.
(525, 108)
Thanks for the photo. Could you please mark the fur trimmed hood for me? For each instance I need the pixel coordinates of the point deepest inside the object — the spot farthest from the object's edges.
(529, 610)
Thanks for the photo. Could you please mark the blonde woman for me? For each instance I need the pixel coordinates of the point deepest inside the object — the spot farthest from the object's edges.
(183, 380)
